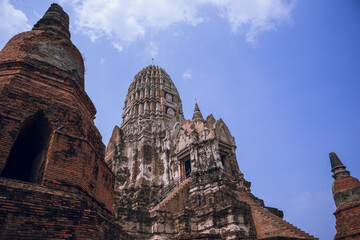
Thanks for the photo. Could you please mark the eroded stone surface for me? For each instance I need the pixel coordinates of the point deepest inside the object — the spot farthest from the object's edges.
(178, 178)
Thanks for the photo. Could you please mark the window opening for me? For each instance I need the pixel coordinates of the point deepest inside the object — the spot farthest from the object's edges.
(187, 168)
(223, 162)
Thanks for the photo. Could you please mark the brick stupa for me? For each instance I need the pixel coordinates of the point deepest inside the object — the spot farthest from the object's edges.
(346, 192)
(54, 182)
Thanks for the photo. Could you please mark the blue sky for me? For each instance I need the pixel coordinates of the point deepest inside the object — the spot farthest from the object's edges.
(283, 75)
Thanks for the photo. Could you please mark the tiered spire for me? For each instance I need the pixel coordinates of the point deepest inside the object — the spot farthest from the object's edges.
(55, 19)
(197, 113)
(336, 164)
(152, 94)
(337, 167)
(48, 45)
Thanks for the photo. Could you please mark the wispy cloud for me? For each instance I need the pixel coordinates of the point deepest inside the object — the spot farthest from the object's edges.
(12, 20)
(153, 49)
(127, 21)
(124, 21)
(187, 74)
(118, 47)
(252, 17)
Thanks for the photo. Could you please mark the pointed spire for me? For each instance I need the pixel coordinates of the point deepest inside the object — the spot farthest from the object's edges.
(55, 19)
(197, 114)
(337, 167)
(196, 107)
(335, 162)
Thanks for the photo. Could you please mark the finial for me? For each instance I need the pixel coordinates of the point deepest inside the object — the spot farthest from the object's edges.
(335, 162)
(152, 61)
(197, 114)
(55, 19)
(197, 109)
(337, 167)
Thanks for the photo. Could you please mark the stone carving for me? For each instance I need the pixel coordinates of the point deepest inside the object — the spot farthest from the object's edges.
(169, 97)
(170, 111)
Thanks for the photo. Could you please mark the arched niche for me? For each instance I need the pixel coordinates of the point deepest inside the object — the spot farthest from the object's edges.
(27, 156)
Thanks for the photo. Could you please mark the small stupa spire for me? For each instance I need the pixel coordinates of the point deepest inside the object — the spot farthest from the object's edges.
(197, 113)
(55, 20)
(337, 167)
(336, 164)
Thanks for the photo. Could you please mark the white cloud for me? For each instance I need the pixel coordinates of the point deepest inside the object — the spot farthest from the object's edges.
(153, 49)
(118, 47)
(251, 17)
(12, 20)
(187, 74)
(125, 21)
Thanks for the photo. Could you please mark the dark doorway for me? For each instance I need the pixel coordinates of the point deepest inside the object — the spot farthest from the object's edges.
(187, 168)
(223, 162)
(27, 155)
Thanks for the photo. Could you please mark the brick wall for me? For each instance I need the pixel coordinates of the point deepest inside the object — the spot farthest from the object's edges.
(32, 211)
(75, 153)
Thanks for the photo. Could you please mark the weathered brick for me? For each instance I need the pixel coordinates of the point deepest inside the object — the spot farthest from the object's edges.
(346, 192)
(69, 191)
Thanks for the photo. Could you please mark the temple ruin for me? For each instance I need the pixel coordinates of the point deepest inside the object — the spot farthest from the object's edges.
(162, 176)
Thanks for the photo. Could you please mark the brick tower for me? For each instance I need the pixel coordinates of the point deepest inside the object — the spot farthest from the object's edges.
(346, 192)
(54, 182)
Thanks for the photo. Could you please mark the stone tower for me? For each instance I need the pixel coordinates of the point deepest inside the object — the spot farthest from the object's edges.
(178, 178)
(54, 182)
(139, 150)
(346, 192)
